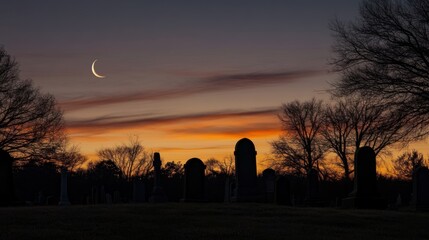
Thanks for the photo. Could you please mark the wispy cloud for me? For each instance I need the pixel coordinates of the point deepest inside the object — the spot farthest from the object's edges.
(175, 149)
(265, 128)
(109, 123)
(256, 79)
(204, 85)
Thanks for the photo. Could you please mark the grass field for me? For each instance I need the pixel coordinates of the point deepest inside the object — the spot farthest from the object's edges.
(208, 221)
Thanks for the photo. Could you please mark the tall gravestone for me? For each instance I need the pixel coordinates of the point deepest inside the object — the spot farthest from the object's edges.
(312, 193)
(102, 194)
(40, 199)
(95, 195)
(420, 198)
(138, 191)
(158, 194)
(6, 179)
(194, 181)
(64, 197)
(109, 199)
(283, 191)
(245, 172)
(227, 190)
(365, 195)
(269, 177)
(117, 198)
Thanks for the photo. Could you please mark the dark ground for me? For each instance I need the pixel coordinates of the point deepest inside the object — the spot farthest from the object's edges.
(208, 221)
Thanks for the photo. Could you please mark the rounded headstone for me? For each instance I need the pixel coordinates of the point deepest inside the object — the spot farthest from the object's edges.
(245, 169)
(245, 163)
(269, 172)
(194, 163)
(194, 180)
(269, 177)
(244, 145)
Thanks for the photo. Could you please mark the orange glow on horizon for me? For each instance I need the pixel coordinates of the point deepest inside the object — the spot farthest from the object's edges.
(203, 137)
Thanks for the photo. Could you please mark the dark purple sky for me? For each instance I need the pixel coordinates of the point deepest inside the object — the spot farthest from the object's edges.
(209, 71)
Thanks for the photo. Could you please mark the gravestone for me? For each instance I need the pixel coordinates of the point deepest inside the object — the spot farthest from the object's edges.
(109, 199)
(6, 179)
(398, 202)
(312, 191)
(102, 194)
(245, 172)
(194, 181)
(89, 200)
(283, 191)
(138, 191)
(158, 194)
(64, 197)
(232, 189)
(227, 192)
(421, 189)
(117, 197)
(269, 177)
(365, 195)
(51, 200)
(95, 195)
(40, 199)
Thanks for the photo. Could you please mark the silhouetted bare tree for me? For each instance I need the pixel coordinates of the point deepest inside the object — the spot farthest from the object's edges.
(405, 164)
(131, 158)
(29, 120)
(216, 167)
(337, 131)
(384, 55)
(173, 170)
(354, 122)
(64, 155)
(71, 158)
(103, 172)
(301, 146)
(211, 166)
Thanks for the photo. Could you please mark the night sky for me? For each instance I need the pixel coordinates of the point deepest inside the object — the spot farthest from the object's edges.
(190, 78)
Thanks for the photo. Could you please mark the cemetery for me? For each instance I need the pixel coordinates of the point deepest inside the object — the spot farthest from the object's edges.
(342, 157)
(195, 185)
(281, 205)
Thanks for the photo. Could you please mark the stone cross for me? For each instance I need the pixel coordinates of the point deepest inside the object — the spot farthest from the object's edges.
(158, 194)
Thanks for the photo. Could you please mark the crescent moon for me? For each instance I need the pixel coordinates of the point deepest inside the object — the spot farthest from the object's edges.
(94, 72)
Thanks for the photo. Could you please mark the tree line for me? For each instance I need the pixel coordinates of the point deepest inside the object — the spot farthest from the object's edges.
(312, 130)
(381, 98)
